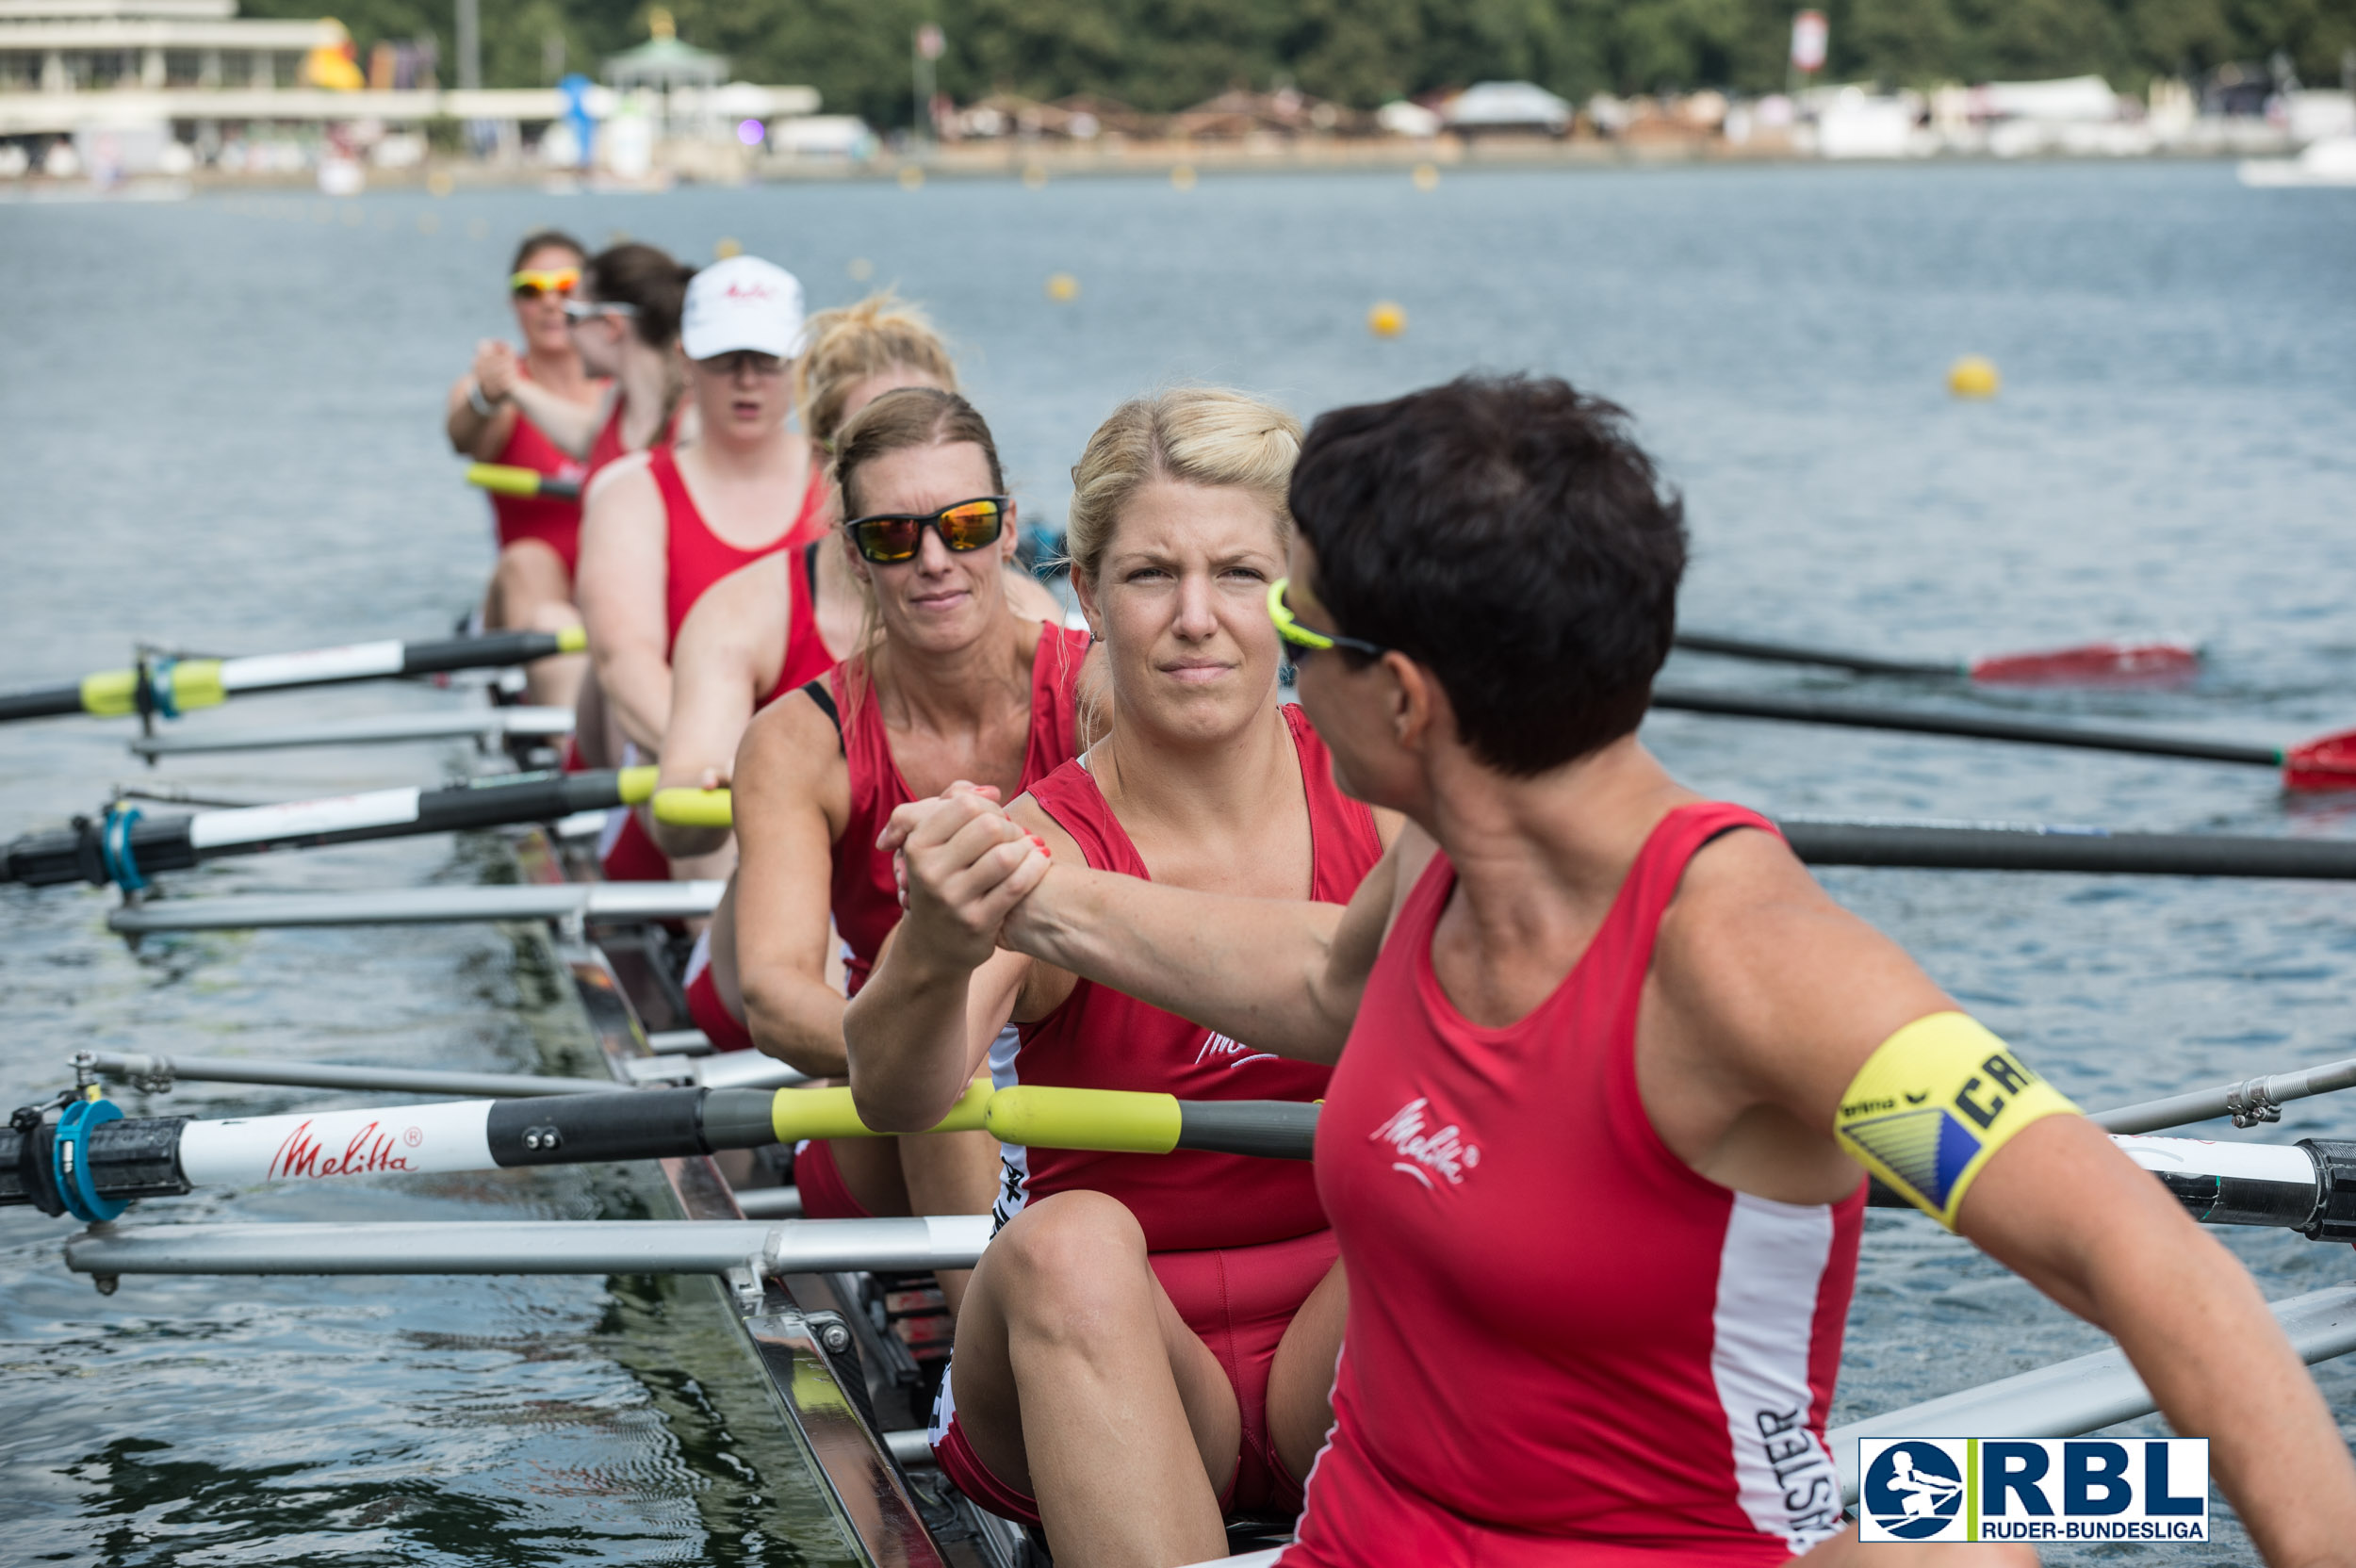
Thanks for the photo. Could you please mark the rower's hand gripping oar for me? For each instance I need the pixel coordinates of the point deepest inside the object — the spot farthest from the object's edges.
(506, 478)
(2327, 762)
(126, 847)
(92, 1160)
(2086, 665)
(165, 688)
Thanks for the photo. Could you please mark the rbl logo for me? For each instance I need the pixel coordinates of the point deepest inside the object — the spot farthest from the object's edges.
(2033, 1489)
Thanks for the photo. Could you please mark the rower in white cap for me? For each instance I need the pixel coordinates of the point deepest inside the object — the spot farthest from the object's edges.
(662, 526)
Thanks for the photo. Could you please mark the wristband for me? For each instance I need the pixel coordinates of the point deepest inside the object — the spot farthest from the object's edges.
(1932, 1102)
(481, 404)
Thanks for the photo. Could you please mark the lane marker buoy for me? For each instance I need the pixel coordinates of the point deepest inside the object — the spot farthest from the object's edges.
(724, 249)
(911, 178)
(1387, 319)
(1973, 376)
(1034, 175)
(1063, 288)
(1427, 176)
(1182, 176)
(861, 269)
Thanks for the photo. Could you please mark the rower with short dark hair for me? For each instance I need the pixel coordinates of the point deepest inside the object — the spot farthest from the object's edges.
(1611, 1066)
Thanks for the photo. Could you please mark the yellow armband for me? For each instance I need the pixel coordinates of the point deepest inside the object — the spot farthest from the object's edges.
(1932, 1102)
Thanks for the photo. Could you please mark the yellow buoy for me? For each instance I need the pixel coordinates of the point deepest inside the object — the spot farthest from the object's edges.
(861, 269)
(726, 248)
(1034, 175)
(1972, 377)
(441, 182)
(1387, 319)
(911, 177)
(1063, 289)
(1427, 176)
(1182, 176)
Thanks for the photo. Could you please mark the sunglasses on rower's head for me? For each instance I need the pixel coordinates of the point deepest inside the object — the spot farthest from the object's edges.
(890, 538)
(577, 311)
(1300, 641)
(532, 281)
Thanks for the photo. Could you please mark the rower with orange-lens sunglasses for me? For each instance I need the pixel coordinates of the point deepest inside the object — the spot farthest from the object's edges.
(531, 283)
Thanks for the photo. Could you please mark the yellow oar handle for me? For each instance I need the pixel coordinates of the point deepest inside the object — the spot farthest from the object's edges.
(683, 808)
(636, 785)
(1116, 1120)
(573, 639)
(798, 1114)
(180, 685)
(506, 478)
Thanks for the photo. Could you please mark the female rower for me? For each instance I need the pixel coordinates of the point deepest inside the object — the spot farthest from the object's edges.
(954, 684)
(661, 529)
(784, 620)
(625, 316)
(539, 536)
(1149, 1340)
(1610, 1061)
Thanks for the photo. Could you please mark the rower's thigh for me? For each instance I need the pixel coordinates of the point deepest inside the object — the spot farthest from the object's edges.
(1070, 1274)
(531, 588)
(871, 1169)
(1300, 1379)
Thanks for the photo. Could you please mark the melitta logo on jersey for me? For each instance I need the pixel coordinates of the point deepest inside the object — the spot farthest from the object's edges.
(1229, 1052)
(1931, 1489)
(1427, 1153)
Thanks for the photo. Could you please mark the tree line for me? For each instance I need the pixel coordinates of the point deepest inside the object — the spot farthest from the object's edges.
(1163, 55)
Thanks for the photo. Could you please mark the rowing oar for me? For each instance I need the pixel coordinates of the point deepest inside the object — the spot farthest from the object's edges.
(126, 847)
(2086, 665)
(2327, 763)
(1931, 847)
(165, 688)
(93, 1159)
(506, 478)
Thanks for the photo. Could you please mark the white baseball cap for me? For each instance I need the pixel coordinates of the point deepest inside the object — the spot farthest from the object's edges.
(742, 303)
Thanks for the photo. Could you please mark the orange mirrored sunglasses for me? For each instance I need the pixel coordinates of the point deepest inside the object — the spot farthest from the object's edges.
(533, 282)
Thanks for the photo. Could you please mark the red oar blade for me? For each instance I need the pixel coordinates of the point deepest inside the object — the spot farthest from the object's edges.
(2093, 664)
(2326, 762)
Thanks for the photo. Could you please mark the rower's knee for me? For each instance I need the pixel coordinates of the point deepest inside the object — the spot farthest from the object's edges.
(1073, 1264)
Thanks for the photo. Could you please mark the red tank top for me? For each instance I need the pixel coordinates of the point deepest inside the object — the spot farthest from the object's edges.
(554, 520)
(606, 444)
(697, 558)
(866, 898)
(1100, 1039)
(806, 657)
(1557, 1329)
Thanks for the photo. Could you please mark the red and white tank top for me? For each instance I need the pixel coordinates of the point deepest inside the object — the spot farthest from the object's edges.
(866, 897)
(1100, 1039)
(696, 557)
(1558, 1330)
(806, 657)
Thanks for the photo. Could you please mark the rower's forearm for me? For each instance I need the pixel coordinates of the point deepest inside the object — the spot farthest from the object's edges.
(637, 691)
(570, 425)
(1253, 969)
(905, 1035)
(2217, 1365)
(798, 1021)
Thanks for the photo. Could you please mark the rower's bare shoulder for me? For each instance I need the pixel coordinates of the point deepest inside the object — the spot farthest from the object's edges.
(1753, 956)
(791, 750)
(739, 617)
(622, 487)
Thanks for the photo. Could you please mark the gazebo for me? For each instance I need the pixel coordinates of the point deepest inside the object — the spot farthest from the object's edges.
(664, 66)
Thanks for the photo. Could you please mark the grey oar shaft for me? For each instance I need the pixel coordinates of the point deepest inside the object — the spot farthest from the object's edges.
(2248, 1099)
(611, 902)
(323, 1075)
(2079, 1395)
(486, 725)
(537, 1247)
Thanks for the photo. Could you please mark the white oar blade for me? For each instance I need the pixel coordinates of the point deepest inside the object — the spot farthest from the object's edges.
(411, 1140)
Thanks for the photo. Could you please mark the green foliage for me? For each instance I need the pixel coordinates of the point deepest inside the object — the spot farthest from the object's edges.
(1162, 54)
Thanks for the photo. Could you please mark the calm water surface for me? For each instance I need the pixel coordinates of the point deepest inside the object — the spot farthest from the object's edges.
(218, 429)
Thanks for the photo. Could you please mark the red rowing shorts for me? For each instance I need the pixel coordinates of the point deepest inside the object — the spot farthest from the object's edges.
(1238, 1301)
(824, 1193)
(707, 1012)
(634, 857)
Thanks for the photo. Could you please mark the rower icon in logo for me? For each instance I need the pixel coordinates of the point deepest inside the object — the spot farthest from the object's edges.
(1914, 1491)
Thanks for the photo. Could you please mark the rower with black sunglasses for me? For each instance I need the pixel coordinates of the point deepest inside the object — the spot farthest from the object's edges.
(539, 536)
(787, 618)
(951, 682)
